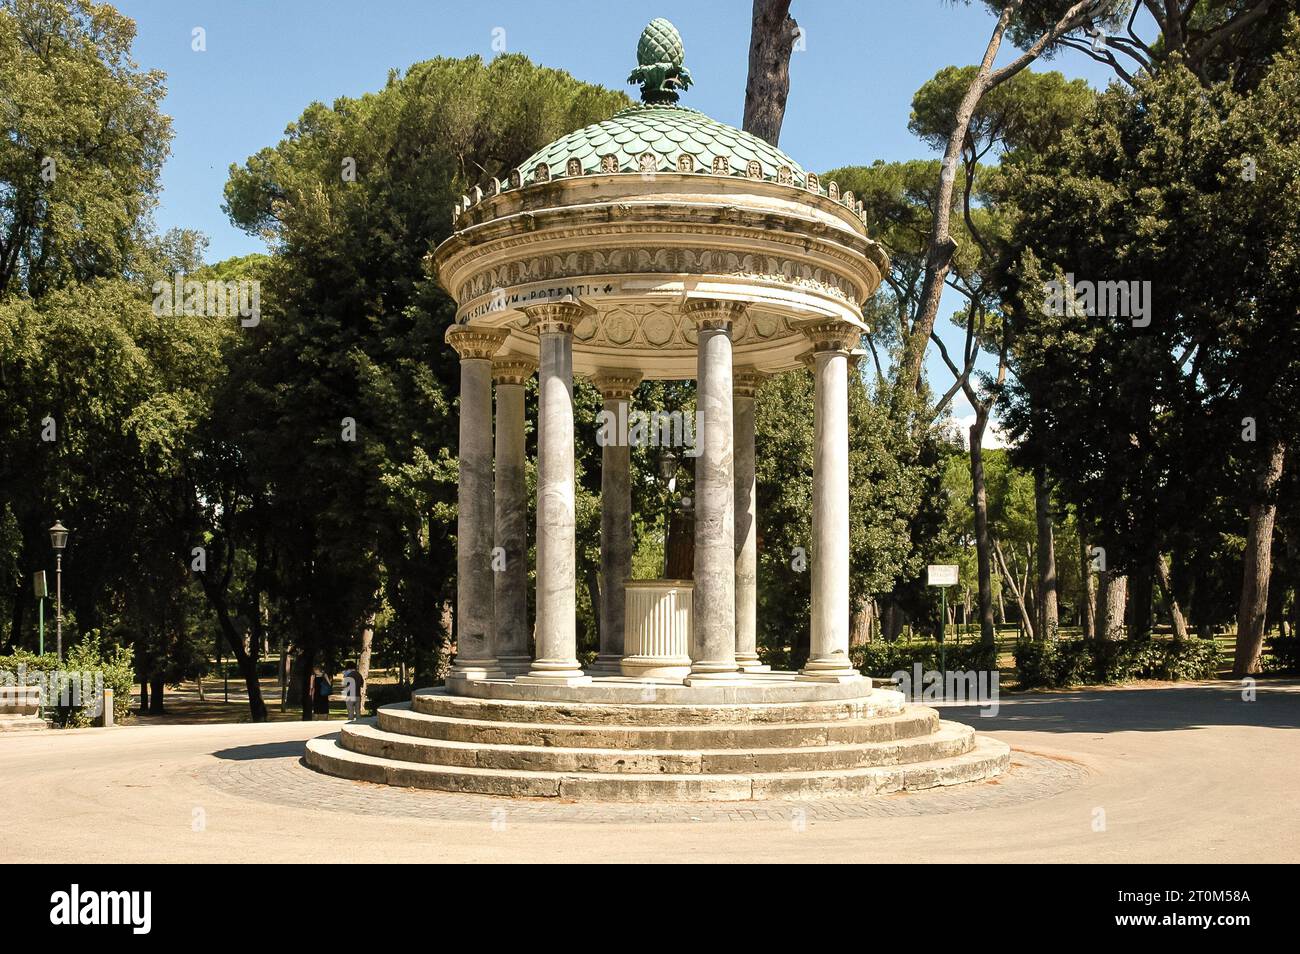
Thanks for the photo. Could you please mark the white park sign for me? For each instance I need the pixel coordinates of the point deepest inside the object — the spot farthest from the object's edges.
(941, 574)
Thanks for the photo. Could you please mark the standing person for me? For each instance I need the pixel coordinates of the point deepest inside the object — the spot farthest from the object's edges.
(353, 681)
(320, 691)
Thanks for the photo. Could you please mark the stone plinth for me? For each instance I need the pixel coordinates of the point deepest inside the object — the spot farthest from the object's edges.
(657, 629)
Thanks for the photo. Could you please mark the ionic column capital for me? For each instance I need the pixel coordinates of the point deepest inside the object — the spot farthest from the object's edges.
(746, 380)
(831, 335)
(555, 317)
(715, 313)
(473, 341)
(513, 369)
(616, 384)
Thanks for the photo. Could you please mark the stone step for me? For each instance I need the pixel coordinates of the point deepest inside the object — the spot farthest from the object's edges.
(951, 739)
(869, 705)
(21, 723)
(401, 719)
(987, 758)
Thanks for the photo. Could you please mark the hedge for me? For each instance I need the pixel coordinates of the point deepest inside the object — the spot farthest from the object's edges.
(1283, 654)
(882, 659)
(1072, 662)
(89, 655)
(384, 693)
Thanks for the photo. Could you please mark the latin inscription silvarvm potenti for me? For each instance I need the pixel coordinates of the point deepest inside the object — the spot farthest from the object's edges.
(502, 299)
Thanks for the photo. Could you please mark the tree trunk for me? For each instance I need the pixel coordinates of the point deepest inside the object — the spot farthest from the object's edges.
(1176, 617)
(771, 41)
(1112, 598)
(1141, 590)
(592, 575)
(144, 694)
(1276, 598)
(1017, 590)
(941, 248)
(860, 625)
(681, 546)
(363, 661)
(1089, 589)
(1048, 609)
(1295, 589)
(247, 664)
(1257, 566)
(156, 685)
(302, 678)
(284, 675)
(443, 663)
(1029, 588)
(983, 547)
(893, 622)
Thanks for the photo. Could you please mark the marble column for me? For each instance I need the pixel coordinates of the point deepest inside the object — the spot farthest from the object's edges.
(616, 388)
(556, 659)
(511, 374)
(475, 658)
(746, 381)
(714, 656)
(828, 658)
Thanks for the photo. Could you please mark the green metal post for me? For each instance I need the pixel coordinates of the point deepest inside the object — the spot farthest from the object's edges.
(943, 626)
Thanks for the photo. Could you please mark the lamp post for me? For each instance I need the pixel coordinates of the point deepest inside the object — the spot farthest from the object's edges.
(668, 474)
(58, 540)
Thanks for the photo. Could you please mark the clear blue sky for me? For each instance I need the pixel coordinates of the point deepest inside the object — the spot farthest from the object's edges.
(850, 90)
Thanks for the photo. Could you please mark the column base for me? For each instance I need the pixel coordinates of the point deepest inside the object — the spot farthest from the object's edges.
(830, 677)
(656, 667)
(475, 673)
(833, 668)
(554, 679)
(515, 665)
(716, 679)
(554, 672)
(606, 664)
(751, 665)
(710, 676)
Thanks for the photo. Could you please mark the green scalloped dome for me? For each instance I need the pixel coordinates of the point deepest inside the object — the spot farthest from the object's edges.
(667, 132)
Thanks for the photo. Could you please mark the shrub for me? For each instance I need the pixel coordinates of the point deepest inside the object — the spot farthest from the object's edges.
(113, 664)
(384, 693)
(1187, 659)
(1035, 662)
(1283, 654)
(882, 659)
(1072, 662)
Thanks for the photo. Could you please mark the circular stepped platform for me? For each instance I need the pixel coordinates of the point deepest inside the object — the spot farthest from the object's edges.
(739, 745)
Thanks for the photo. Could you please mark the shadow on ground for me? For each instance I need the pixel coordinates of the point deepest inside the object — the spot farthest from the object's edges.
(265, 750)
(1276, 705)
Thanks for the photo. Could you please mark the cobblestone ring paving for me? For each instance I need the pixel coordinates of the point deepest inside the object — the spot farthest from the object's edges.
(287, 781)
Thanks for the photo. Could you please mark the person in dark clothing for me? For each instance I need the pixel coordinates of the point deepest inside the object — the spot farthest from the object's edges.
(320, 692)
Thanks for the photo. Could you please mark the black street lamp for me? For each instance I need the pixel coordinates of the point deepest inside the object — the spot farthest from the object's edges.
(58, 540)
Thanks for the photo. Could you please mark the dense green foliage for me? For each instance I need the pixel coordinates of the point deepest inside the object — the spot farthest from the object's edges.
(1283, 654)
(883, 660)
(1073, 662)
(90, 664)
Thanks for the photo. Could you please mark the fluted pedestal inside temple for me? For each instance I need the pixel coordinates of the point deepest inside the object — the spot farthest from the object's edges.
(657, 633)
